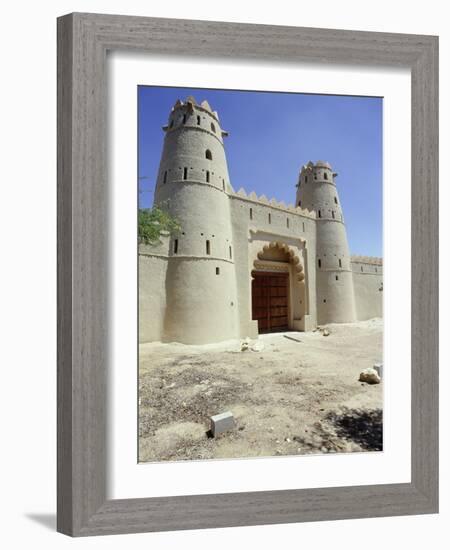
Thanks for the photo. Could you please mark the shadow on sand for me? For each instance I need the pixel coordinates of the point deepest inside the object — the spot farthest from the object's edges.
(361, 426)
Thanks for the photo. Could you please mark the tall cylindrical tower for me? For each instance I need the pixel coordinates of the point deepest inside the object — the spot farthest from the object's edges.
(193, 185)
(316, 190)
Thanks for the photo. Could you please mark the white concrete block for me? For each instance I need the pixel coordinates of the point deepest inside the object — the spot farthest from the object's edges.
(379, 368)
(221, 423)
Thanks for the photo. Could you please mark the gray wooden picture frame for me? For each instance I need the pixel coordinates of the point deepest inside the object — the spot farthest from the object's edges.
(83, 41)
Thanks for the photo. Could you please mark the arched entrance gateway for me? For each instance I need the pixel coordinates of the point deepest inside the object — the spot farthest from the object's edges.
(279, 297)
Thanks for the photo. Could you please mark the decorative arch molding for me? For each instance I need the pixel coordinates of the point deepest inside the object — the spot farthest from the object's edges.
(293, 258)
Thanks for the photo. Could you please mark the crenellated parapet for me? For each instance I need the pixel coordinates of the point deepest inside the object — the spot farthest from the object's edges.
(370, 260)
(191, 103)
(273, 203)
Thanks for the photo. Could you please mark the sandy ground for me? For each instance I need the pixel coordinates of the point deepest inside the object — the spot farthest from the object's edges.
(300, 394)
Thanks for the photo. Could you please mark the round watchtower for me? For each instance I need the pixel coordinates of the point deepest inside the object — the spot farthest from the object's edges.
(316, 190)
(193, 185)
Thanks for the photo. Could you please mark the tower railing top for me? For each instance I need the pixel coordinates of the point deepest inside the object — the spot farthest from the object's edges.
(191, 103)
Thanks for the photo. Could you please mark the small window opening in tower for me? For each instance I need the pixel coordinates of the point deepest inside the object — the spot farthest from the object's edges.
(217, 270)
(175, 246)
(319, 262)
(362, 268)
(213, 128)
(340, 262)
(332, 213)
(335, 200)
(223, 184)
(208, 154)
(198, 120)
(165, 177)
(325, 176)
(376, 270)
(324, 301)
(337, 278)
(184, 119)
(230, 252)
(270, 218)
(287, 222)
(303, 225)
(299, 203)
(185, 173)
(208, 248)
(320, 214)
(306, 179)
(171, 124)
(251, 213)
(207, 176)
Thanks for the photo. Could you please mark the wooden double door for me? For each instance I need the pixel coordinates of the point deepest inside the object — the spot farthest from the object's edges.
(270, 295)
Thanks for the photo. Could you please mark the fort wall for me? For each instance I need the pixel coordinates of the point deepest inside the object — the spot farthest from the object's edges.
(152, 272)
(367, 275)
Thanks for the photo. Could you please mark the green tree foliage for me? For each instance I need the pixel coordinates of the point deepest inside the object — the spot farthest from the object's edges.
(153, 222)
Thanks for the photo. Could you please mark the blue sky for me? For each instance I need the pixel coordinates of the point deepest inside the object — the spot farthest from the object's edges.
(272, 135)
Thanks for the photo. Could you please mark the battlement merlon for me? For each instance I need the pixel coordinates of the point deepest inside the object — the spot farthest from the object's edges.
(273, 203)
